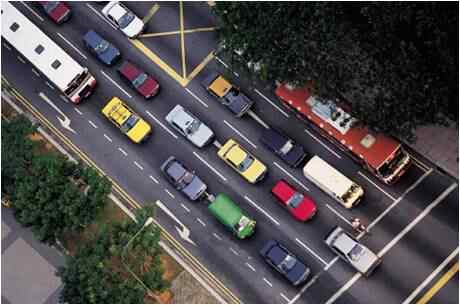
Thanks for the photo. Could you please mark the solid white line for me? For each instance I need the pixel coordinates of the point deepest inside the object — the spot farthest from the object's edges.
(210, 167)
(433, 274)
(122, 151)
(7, 46)
(338, 214)
(196, 97)
(107, 137)
(268, 283)
(170, 194)
(250, 267)
(311, 251)
(64, 98)
(99, 14)
(234, 251)
(291, 176)
(261, 210)
(116, 84)
(92, 124)
(272, 103)
(138, 166)
(35, 72)
(153, 179)
(222, 62)
(73, 47)
(32, 11)
(49, 85)
(21, 59)
(240, 134)
(284, 297)
(78, 111)
(344, 288)
(201, 221)
(161, 124)
(332, 262)
(217, 236)
(185, 208)
(378, 187)
(305, 287)
(325, 146)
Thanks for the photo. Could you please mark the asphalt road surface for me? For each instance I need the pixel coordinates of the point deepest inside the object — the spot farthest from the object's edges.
(414, 224)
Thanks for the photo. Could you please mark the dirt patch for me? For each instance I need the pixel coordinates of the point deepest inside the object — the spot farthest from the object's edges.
(187, 290)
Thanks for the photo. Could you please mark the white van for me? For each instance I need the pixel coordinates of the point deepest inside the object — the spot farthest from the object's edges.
(332, 182)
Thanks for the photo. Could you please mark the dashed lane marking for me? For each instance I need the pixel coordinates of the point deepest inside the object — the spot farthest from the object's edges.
(32, 11)
(64, 98)
(311, 251)
(170, 194)
(210, 167)
(268, 282)
(185, 208)
(92, 124)
(226, 66)
(35, 72)
(20, 58)
(122, 151)
(378, 187)
(72, 46)
(240, 134)
(234, 251)
(116, 84)
(153, 179)
(197, 98)
(325, 146)
(99, 14)
(251, 267)
(217, 236)
(77, 111)
(161, 124)
(49, 85)
(138, 166)
(284, 297)
(107, 137)
(201, 221)
(271, 103)
(261, 210)
(291, 176)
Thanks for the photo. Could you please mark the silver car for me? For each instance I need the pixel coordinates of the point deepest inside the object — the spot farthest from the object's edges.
(350, 250)
(189, 126)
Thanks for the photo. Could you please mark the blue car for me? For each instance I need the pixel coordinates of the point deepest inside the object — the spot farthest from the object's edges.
(283, 261)
(101, 48)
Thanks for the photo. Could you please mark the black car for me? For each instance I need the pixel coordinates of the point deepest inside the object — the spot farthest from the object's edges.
(289, 151)
(283, 261)
(106, 52)
(183, 179)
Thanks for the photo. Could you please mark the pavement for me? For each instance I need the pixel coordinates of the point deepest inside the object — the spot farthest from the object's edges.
(414, 224)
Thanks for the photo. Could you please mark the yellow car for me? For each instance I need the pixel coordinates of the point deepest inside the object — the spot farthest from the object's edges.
(126, 120)
(242, 161)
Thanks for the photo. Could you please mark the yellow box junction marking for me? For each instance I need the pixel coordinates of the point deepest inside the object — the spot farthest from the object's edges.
(439, 284)
(205, 29)
(182, 40)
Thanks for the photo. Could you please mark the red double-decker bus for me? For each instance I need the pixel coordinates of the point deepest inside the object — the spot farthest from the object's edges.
(382, 155)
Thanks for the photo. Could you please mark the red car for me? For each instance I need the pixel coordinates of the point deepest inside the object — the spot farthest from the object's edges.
(140, 81)
(57, 11)
(301, 207)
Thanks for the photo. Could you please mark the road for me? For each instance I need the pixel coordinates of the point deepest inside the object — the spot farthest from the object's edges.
(415, 222)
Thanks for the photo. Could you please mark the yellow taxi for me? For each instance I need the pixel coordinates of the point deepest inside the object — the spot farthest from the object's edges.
(242, 161)
(126, 120)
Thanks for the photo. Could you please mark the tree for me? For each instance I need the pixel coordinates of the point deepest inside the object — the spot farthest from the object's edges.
(96, 273)
(395, 63)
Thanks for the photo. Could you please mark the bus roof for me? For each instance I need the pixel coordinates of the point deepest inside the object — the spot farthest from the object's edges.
(226, 210)
(38, 48)
(374, 148)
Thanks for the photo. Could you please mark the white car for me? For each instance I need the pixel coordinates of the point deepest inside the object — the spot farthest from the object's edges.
(121, 17)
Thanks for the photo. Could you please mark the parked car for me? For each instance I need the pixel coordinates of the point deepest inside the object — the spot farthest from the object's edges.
(189, 126)
(137, 79)
(299, 205)
(286, 263)
(183, 179)
(104, 51)
(122, 18)
(58, 11)
(289, 151)
(352, 251)
(242, 161)
(230, 96)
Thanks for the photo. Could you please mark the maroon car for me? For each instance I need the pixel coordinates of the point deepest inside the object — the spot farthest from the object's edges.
(57, 11)
(143, 83)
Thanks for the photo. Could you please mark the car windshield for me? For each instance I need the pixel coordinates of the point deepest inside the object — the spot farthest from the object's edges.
(125, 20)
(295, 200)
(138, 81)
(193, 126)
(186, 179)
(246, 163)
(101, 47)
(356, 252)
(129, 123)
(50, 6)
(287, 263)
(287, 147)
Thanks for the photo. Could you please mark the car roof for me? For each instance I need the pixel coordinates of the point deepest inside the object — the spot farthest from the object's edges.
(182, 118)
(344, 242)
(236, 154)
(176, 170)
(92, 38)
(276, 254)
(283, 190)
(129, 70)
(114, 9)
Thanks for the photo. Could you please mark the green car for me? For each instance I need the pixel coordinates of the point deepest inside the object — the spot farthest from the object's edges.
(230, 215)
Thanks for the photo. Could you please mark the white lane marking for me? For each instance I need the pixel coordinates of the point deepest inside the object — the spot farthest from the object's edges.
(261, 210)
(305, 287)
(396, 239)
(338, 214)
(217, 236)
(268, 282)
(251, 267)
(325, 146)
(253, 115)
(196, 97)
(153, 179)
(32, 11)
(284, 297)
(92, 124)
(35, 72)
(73, 46)
(77, 111)
(271, 103)
(138, 166)
(217, 144)
(332, 262)
(116, 84)
(291, 176)
(64, 98)
(161, 124)
(49, 85)
(21, 59)
(226, 66)
(7, 46)
(201, 221)
(433, 274)
(419, 163)
(210, 167)
(378, 187)
(234, 251)
(240, 134)
(122, 151)
(107, 137)
(99, 14)
(185, 208)
(169, 193)
(311, 251)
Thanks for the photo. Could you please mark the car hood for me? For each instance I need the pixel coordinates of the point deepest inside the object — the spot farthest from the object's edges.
(295, 155)
(149, 87)
(238, 104)
(298, 273)
(109, 55)
(201, 136)
(256, 169)
(139, 131)
(195, 188)
(134, 28)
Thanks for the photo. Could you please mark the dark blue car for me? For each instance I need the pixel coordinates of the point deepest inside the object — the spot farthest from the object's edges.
(101, 48)
(283, 261)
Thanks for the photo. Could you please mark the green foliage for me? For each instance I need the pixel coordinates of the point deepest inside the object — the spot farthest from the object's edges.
(396, 63)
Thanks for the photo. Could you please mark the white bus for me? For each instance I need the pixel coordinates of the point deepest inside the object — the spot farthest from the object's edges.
(62, 70)
(332, 182)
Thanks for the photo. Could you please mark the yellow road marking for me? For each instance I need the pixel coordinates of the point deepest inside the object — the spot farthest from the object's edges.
(182, 40)
(205, 29)
(439, 284)
(151, 12)
(200, 66)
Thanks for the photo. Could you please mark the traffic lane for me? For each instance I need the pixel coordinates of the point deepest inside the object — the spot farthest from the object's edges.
(448, 294)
